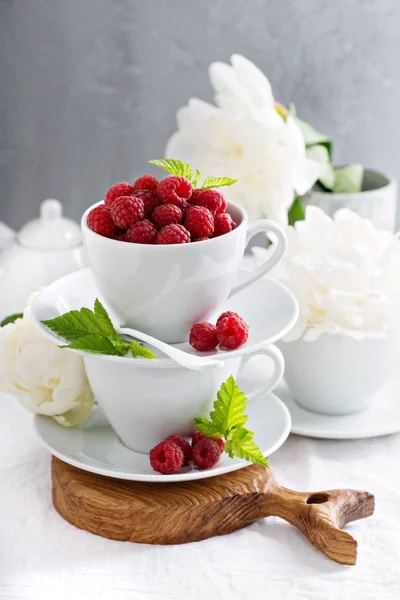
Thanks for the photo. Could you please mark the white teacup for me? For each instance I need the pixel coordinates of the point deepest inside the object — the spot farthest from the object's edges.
(145, 401)
(164, 290)
(337, 374)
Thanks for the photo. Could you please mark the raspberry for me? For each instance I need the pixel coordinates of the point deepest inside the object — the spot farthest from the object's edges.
(211, 199)
(229, 313)
(206, 453)
(143, 232)
(174, 190)
(232, 332)
(122, 188)
(203, 337)
(99, 220)
(203, 239)
(146, 182)
(167, 214)
(166, 457)
(126, 211)
(183, 445)
(120, 236)
(199, 436)
(234, 225)
(199, 222)
(222, 224)
(173, 234)
(150, 201)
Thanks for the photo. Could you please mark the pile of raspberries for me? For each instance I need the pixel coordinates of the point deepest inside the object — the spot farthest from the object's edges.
(174, 452)
(160, 212)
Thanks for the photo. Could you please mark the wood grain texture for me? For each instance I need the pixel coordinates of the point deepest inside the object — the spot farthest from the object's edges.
(176, 513)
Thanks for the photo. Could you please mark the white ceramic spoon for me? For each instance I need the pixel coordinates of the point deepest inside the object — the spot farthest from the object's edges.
(190, 361)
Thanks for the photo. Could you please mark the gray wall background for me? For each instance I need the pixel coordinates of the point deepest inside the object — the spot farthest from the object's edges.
(89, 88)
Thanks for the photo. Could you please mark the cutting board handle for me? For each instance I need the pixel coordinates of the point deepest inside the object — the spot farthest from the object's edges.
(321, 515)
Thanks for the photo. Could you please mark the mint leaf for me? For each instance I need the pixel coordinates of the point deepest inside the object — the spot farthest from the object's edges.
(97, 344)
(320, 154)
(296, 212)
(175, 167)
(240, 443)
(207, 428)
(312, 136)
(229, 407)
(348, 179)
(196, 180)
(137, 350)
(214, 182)
(11, 319)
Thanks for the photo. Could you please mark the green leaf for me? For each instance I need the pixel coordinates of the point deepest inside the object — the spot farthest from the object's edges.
(296, 212)
(229, 407)
(137, 350)
(97, 344)
(240, 443)
(196, 180)
(103, 315)
(175, 167)
(207, 428)
(214, 182)
(313, 137)
(320, 154)
(11, 319)
(348, 179)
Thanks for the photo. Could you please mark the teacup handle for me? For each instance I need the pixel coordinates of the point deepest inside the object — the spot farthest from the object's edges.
(279, 362)
(280, 247)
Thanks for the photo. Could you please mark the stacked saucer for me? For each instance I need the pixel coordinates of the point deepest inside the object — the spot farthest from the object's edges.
(163, 291)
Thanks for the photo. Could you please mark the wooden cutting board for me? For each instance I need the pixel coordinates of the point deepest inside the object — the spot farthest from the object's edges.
(177, 513)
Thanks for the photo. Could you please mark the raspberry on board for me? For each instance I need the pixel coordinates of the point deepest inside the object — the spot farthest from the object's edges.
(183, 445)
(99, 220)
(203, 337)
(199, 222)
(126, 211)
(211, 199)
(173, 234)
(146, 182)
(199, 436)
(122, 188)
(143, 232)
(206, 453)
(175, 190)
(230, 313)
(167, 214)
(166, 457)
(232, 332)
(150, 201)
(222, 224)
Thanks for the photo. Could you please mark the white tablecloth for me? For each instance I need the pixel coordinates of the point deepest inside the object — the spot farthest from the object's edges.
(43, 557)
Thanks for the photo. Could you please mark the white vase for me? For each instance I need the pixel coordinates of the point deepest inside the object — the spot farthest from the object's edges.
(377, 201)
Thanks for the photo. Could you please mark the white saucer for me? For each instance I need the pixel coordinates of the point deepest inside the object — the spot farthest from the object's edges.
(267, 306)
(93, 446)
(381, 418)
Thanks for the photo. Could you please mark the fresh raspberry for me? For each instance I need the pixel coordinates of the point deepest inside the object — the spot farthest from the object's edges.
(150, 201)
(143, 232)
(234, 225)
(99, 220)
(167, 214)
(199, 222)
(126, 211)
(199, 436)
(232, 332)
(173, 234)
(146, 182)
(183, 445)
(201, 239)
(230, 313)
(122, 188)
(206, 453)
(120, 236)
(166, 457)
(211, 199)
(203, 337)
(174, 190)
(222, 224)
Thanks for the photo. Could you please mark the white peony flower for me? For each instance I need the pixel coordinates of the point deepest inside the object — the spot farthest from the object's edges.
(245, 138)
(344, 273)
(46, 379)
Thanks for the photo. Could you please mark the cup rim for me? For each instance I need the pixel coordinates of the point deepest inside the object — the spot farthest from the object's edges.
(167, 247)
(365, 194)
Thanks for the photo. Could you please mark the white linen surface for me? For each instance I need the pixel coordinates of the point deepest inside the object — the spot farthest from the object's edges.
(43, 557)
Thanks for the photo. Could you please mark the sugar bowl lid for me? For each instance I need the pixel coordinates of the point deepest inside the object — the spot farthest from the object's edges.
(51, 231)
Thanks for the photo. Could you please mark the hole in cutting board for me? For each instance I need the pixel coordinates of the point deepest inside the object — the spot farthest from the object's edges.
(318, 498)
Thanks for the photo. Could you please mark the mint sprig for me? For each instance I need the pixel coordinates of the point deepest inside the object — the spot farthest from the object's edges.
(178, 167)
(93, 331)
(227, 420)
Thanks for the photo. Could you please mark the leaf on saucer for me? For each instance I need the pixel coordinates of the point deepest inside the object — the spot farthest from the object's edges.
(229, 407)
(214, 182)
(138, 350)
(98, 344)
(240, 443)
(207, 427)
